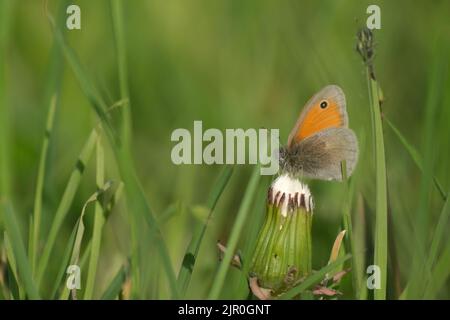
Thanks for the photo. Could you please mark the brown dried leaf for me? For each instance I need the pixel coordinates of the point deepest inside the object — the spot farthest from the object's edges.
(337, 246)
(235, 262)
(324, 291)
(126, 290)
(260, 293)
(338, 276)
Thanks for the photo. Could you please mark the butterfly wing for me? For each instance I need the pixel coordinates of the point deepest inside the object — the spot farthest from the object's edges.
(324, 110)
(319, 156)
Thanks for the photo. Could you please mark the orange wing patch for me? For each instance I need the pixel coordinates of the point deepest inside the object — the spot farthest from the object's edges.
(318, 119)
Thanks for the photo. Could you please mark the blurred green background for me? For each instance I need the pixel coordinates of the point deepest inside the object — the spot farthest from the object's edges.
(231, 64)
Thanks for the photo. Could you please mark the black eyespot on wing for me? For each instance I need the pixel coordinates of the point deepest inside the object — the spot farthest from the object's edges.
(324, 104)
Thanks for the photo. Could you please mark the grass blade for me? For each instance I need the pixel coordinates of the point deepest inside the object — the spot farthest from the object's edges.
(117, 18)
(37, 211)
(381, 192)
(18, 248)
(190, 256)
(365, 48)
(99, 220)
(235, 234)
(66, 202)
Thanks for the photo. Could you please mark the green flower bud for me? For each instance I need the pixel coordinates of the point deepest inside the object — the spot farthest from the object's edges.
(283, 251)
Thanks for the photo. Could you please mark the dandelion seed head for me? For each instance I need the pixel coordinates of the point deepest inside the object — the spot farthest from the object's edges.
(289, 193)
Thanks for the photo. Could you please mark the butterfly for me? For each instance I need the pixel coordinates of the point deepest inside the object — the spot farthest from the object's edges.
(321, 139)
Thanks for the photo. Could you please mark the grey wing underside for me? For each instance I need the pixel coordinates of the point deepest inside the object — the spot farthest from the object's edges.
(320, 155)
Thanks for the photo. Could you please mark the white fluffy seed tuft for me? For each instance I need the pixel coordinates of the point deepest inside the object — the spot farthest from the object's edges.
(290, 193)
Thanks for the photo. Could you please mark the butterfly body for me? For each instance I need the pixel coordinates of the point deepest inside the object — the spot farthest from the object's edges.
(321, 139)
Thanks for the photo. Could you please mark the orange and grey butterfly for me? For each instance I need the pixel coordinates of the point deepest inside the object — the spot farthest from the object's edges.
(321, 140)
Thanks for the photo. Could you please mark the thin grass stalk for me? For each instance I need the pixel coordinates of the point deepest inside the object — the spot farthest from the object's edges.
(365, 48)
(99, 220)
(37, 209)
(119, 32)
(381, 191)
(235, 234)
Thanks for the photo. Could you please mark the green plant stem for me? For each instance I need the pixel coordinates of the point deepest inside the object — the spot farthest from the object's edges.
(99, 221)
(37, 212)
(381, 188)
(119, 32)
